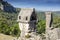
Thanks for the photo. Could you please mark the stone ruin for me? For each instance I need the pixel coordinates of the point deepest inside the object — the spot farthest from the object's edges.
(27, 19)
(51, 34)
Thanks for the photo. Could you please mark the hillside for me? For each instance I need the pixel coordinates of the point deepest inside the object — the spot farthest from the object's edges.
(8, 23)
(40, 15)
(5, 6)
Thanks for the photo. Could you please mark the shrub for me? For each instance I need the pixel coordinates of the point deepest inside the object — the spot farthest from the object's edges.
(41, 26)
(27, 36)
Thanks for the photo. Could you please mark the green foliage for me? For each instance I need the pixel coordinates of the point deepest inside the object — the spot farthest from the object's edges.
(56, 21)
(15, 30)
(41, 23)
(27, 36)
(41, 26)
(8, 23)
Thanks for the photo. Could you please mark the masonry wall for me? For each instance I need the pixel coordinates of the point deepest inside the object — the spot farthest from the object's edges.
(24, 27)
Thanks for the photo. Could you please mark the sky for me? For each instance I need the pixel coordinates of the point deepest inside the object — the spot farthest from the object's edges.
(41, 5)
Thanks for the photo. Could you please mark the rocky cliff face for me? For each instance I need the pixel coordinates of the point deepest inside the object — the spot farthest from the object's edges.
(5, 6)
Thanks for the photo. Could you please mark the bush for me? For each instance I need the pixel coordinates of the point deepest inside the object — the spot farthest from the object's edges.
(41, 26)
(27, 36)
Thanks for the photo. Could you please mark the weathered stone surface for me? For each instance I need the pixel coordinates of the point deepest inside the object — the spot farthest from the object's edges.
(27, 19)
(33, 37)
(48, 24)
(55, 34)
(7, 37)
(28, 26)
(51, 34)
